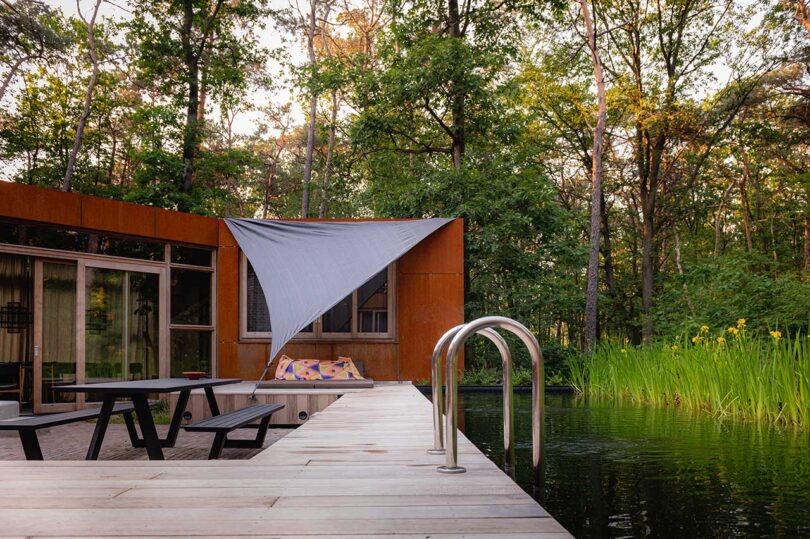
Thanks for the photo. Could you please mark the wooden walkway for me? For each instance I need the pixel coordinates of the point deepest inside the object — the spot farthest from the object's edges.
(358, 469)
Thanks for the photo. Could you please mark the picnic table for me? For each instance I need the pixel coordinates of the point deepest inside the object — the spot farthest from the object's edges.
(138, 391)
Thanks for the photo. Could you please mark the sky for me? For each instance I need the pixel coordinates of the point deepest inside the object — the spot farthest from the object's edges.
(245, 122)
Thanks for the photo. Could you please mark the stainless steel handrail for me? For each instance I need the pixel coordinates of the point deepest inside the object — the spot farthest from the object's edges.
(438, 401)
(451, 412)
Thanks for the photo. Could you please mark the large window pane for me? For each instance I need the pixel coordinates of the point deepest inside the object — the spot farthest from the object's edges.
(191, 297)
(104, 325)
(58, 331)
(258, 316)
(16, 313)
(85, 242)
(51, 238)
(191, 351)
(143, 326)
(112, 246)
(372, 302)
(191, 256)
(338, 319)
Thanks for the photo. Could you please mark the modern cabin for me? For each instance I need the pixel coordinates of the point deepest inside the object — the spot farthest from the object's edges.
(93, 290)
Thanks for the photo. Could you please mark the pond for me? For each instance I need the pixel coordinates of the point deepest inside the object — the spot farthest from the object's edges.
(632, 471)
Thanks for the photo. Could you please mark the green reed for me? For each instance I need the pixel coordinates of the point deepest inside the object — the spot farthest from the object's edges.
(726, 374)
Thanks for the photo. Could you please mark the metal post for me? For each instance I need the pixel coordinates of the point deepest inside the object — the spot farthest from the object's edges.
(438, 402)
(436, 394)
(451, 422)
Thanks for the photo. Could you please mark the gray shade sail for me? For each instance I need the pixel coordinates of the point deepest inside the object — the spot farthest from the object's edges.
(306, 267)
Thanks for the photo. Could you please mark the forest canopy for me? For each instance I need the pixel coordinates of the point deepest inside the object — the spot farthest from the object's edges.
(483, 109)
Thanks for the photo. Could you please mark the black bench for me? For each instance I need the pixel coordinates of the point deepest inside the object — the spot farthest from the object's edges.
(224, 424)
(27, 426)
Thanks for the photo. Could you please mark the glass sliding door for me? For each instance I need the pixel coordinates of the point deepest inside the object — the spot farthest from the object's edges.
(16, 318)
(55, 335)
(142, 345)
(104, 324)
(121, 329)
(79, 320)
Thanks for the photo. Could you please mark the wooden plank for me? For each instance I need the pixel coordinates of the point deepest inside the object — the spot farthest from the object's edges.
(358, 467)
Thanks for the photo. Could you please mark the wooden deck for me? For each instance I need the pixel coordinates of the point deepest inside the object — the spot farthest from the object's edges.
(358, 469)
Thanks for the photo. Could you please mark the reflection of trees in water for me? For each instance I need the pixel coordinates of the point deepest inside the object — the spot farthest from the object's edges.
(612, 470)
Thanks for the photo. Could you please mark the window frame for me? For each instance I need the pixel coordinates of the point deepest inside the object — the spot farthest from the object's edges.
(317, 334)
(211, 328)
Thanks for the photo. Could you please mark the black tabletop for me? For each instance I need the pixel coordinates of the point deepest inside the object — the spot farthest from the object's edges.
(157, 385)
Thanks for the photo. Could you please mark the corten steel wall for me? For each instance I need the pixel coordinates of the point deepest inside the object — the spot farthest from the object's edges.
(429, 281)
(49, 206)
(429, 300)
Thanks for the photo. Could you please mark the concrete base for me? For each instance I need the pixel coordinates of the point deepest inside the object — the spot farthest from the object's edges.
(9, 409)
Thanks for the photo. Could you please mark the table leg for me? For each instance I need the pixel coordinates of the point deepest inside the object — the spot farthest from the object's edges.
(216, 448)
(132, 431)
(174, 427)
(212, 400)
(30, 443)
(148, 430)
(101, 427)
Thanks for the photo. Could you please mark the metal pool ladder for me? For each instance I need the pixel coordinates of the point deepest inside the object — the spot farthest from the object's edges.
(457, 337)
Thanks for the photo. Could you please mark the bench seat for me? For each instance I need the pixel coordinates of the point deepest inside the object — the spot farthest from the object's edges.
(27, 426)
(224, 424)
(366, 383)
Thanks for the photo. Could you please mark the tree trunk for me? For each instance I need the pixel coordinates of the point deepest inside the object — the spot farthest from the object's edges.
(10, 75)
(313, 110)
(680, 272)
(205, 58)
(191, 59)
(802, 14)
(327, 173)
(268, 191)
(591, 306)
(458, 97)
(607, 251)
(647, 269)
(113, 150)
(807, 231)
(746, 210)
(88, 96)
(718, 220)
(650, 166)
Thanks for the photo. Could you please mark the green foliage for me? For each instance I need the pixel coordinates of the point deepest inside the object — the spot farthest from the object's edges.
(726, 373)
(735, 286)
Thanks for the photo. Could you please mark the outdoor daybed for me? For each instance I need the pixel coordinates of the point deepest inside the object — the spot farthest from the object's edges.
(316, 384)
(317, 374)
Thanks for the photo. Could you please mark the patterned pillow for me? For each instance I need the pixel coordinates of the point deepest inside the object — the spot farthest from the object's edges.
(352, 368)
(314, 369)
(297, 369)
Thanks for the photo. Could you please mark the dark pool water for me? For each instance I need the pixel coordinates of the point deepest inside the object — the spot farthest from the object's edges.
(631, 471)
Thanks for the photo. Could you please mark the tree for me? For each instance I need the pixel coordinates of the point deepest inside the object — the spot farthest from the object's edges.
(591, 310)
(662, 55)
(177, 37)
(90, 26)
(29, 31)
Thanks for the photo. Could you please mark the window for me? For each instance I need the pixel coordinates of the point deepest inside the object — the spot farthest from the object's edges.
(191, 307)
(78, 241)
(366, 313)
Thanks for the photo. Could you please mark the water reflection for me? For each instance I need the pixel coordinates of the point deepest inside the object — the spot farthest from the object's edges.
(630, 471)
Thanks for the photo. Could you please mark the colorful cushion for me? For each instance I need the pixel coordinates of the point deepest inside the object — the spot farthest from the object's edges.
(314, 369)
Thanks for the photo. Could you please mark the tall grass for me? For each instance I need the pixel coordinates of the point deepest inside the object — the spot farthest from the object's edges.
(727, 374)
